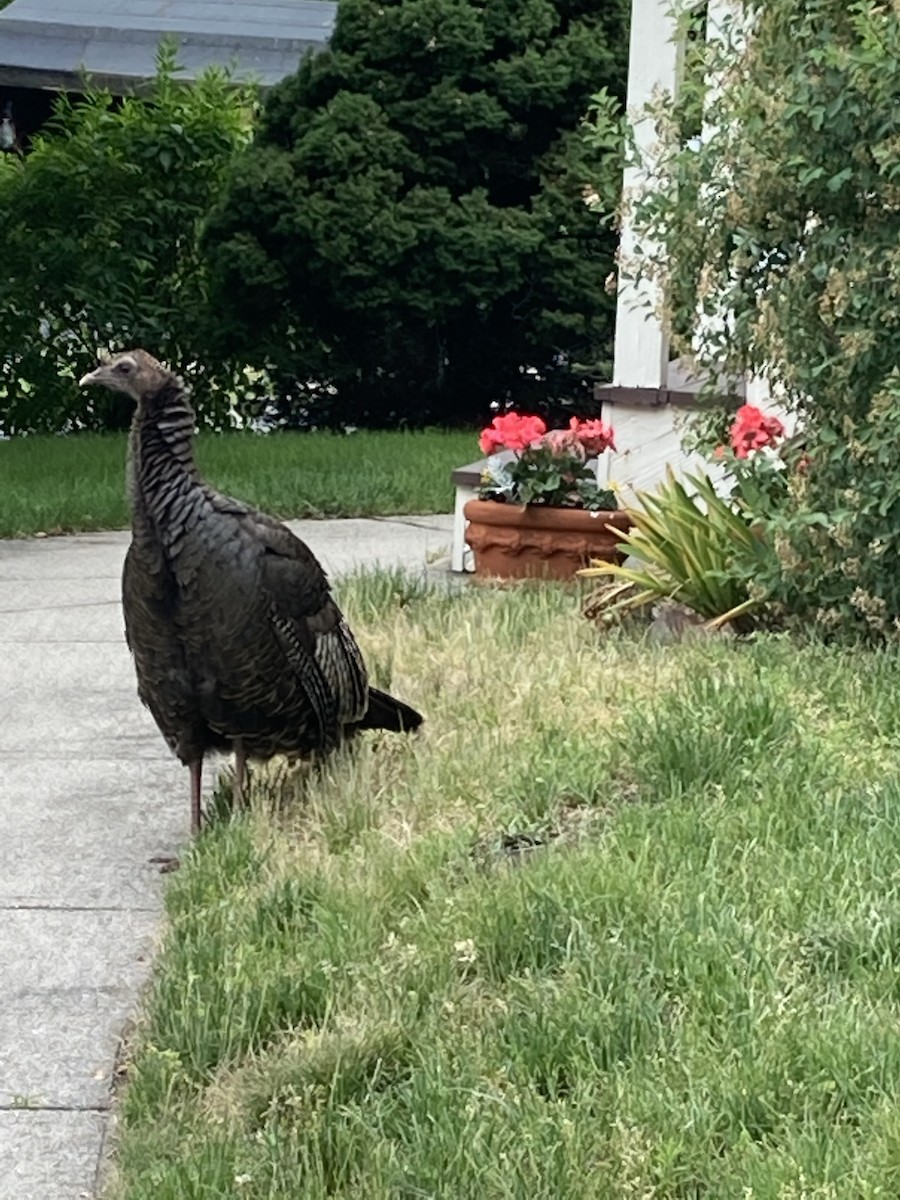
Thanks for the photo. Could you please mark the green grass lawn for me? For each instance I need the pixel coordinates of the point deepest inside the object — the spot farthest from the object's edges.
(63, 484)
(624, 921)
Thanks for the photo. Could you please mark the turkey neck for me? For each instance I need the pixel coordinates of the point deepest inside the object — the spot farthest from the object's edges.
(164, 484)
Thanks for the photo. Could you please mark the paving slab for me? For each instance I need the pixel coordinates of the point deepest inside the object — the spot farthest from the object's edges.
(88, 796)
(83, 836)
(62, 1011)
(49, 1155)
(65, 1048)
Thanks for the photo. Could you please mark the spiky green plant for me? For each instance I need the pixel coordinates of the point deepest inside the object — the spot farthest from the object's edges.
(692, 546)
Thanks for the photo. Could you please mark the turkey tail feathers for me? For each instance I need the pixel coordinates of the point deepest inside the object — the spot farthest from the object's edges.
(386, 712)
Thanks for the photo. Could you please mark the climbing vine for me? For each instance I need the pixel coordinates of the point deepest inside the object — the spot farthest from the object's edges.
(779, 236)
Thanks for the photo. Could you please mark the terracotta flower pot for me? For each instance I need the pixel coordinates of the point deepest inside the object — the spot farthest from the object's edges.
(536, 542)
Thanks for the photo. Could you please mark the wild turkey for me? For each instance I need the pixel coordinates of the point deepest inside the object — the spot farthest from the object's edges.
(237, 641)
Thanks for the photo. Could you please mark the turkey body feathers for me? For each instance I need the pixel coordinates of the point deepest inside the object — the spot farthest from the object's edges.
(236, 637)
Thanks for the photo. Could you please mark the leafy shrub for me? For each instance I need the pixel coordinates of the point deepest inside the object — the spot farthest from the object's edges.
(100, 238)
(786, 218)
(408, 236)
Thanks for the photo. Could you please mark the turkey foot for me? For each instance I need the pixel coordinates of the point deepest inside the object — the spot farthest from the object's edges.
(166, 863)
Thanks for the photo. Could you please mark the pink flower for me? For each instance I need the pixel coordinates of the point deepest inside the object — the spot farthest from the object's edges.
(593, 435)
(562, 442)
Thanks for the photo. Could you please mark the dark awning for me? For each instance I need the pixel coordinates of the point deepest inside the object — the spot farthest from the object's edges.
(49, 43)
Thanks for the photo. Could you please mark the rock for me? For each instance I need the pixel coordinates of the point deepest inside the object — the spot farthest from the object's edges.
(673, 622)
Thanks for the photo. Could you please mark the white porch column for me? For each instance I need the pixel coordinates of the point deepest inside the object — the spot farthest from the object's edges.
(647, 423)
(645, 436)
(654, 65)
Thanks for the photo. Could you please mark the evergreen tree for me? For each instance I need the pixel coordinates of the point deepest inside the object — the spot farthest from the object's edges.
(408, 234)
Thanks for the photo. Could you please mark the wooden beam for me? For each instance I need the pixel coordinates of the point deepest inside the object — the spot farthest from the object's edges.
(662, 397)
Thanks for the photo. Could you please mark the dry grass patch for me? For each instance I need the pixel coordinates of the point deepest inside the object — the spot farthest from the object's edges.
(622, 921)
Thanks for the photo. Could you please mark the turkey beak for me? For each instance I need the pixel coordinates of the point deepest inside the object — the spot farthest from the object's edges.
(95, 376)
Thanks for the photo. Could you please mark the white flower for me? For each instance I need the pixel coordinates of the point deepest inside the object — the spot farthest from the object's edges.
(465, 950)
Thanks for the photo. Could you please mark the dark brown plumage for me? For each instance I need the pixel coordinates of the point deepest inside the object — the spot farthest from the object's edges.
(237, 641)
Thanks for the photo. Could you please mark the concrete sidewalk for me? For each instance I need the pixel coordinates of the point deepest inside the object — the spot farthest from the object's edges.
(88, 794)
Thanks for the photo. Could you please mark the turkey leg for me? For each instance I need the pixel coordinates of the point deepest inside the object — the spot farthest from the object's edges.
(196, 773)
(240, 775)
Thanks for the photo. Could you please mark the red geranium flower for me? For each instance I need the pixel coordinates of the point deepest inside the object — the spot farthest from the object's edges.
(547, 468)
(752, 430)
(512, 431)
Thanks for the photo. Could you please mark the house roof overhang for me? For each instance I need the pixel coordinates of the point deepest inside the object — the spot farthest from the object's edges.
(54, 43)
